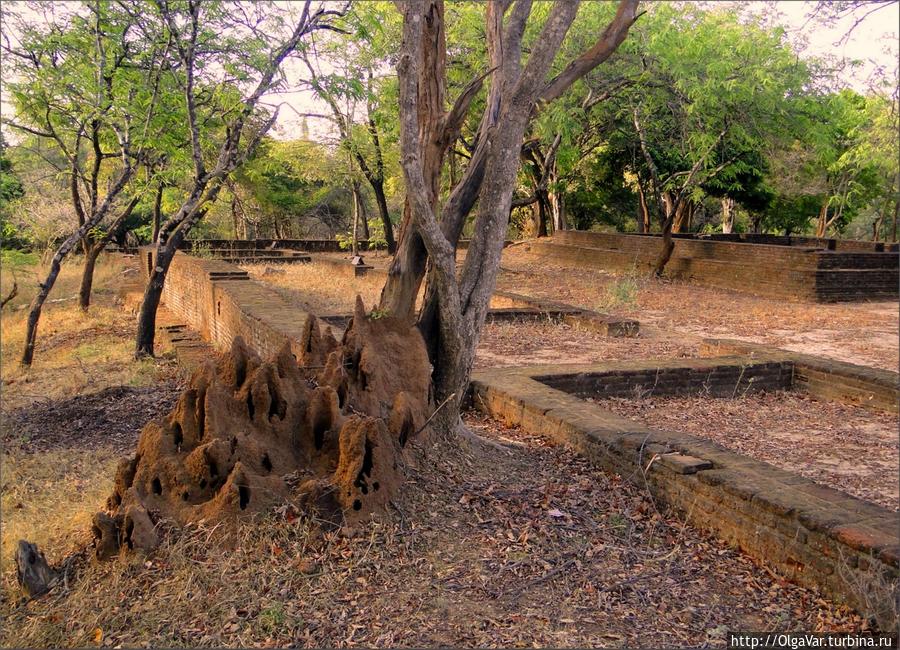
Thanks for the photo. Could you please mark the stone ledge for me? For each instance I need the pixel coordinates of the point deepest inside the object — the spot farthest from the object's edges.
(812, 534)
(603, 324)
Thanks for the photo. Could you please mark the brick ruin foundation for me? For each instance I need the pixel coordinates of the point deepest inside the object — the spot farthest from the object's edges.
(811, 534)
(792, 268)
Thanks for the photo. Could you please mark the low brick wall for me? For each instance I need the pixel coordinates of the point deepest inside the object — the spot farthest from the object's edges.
(308, 245)
(791, 272)
(814, 535)
(220, 301)
(717, 378)
(825, 378)
(585, 318)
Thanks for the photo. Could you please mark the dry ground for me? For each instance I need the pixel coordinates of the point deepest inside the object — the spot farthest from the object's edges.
(519, 544)
(316, 288)
(845, 447)
(76, 352)
(65, 421)
(864, 333)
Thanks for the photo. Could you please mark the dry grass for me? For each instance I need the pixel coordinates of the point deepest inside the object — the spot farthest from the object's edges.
(76, 352)
(49, 498)
(512, 544)
(865, 333)
(316, 288)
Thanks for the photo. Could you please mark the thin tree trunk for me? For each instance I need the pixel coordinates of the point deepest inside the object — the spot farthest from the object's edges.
(682, 216)
(146, 328)
(727, 215)
(543, 212)
(34, 311)
(896, 219)
(157, 213)
(644, 214)
(93, 253)
(823, 220)
(87, 276)
(356, 214)
(364, 219)
(384, 214)
(670, 205)
(557, 199)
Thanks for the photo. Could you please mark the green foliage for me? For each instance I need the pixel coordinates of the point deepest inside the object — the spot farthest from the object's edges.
(12, 259)
(10, 190)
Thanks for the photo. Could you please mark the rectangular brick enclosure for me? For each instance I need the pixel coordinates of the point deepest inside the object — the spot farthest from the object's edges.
(810, 533)
(802, 269)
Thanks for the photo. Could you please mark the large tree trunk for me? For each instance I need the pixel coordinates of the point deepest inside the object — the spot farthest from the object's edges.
(727, 215)
(398, 297)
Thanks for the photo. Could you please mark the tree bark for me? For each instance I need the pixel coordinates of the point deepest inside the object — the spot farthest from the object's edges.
(87, 277)
(398, 297)
(644, 214)
(670, 205)
(34, 312)
(822, 224)
(727, 215)
(157, 213)
(357, 208)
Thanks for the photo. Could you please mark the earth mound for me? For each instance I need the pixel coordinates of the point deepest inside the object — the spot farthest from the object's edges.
(325, 434)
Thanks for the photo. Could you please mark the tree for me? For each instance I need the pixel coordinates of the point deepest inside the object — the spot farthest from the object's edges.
(203, 54)
(73, 88)
(343, 93)
(713, 95)
(10, 190)
(285, 188)
(455, 306)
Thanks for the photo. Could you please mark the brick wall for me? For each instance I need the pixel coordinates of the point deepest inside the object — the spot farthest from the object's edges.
(720, 377)
(821, 377)
(220, 302)
(791, 272)
(814, 535)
